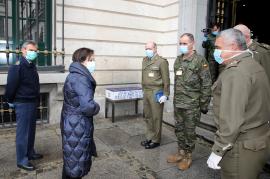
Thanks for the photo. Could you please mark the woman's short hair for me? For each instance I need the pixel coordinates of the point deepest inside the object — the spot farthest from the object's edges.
(81, 54)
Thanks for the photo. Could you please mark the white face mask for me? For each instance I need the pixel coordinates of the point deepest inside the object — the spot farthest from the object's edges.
(91, 66)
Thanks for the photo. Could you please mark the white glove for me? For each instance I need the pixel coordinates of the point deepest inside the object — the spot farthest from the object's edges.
(162, 99)
(213, 161)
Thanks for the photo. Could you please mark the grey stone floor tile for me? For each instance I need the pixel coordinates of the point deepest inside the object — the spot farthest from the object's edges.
(112, 136)
(198, 170)
(137, 127)
(103, 123)
(111, 168)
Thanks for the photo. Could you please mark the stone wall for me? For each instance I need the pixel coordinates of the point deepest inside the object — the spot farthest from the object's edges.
(117, 30)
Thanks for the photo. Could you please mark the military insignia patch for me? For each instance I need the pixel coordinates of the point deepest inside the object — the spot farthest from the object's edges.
(205, 65)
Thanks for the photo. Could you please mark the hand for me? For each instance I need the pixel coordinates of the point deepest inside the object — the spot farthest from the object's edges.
(204, 111)
(213, 161)
(11, 105)
(162, 99)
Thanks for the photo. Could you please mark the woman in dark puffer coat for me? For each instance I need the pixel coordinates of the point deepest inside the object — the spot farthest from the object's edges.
(78, 110)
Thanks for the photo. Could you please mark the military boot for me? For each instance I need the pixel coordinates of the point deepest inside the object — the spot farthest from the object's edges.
(185, 163)
(176, 157)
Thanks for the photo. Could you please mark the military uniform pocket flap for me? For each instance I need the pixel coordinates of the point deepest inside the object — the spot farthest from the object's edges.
(155, 68)
(254, 145)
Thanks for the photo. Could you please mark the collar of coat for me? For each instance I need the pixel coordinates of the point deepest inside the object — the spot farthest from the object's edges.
(190, 58)
(236, 60)
(76, 67)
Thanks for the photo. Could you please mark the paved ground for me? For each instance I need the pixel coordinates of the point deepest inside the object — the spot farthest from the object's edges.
(119, 150)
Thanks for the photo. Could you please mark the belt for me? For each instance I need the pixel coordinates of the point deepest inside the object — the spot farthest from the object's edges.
(259, 131)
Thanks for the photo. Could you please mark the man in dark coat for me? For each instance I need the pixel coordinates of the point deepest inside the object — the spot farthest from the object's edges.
(22, 93)
(77, 116)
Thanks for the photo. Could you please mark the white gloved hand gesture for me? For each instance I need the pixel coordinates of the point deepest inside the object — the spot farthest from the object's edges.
(162, 99)
(213, 161)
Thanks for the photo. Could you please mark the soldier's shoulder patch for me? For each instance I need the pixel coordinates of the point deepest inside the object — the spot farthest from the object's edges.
(205, 65)
(263, 45)
(233, 64)
(162, 58)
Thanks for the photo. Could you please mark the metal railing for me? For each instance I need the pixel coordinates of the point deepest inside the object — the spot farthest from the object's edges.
(31, 20)
(8, 117)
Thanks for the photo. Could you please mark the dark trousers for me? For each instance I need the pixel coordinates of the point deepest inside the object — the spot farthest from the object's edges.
(65, 176)
(26, 130)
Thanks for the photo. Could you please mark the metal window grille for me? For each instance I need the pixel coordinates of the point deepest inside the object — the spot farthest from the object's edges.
(8, 117)
(22, 20)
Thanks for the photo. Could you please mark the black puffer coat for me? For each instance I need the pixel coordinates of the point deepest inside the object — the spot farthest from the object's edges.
(77, 125)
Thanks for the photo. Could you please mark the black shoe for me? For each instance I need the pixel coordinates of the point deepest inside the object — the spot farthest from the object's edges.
(35, 157)
(28, 167)
(152, 145)
(145, 142)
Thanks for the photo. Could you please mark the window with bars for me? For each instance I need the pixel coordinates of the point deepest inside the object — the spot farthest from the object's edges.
(22, 20)
(8, 117)
(222, 12)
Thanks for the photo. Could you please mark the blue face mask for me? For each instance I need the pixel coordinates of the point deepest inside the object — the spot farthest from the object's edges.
(183, 49)
(91, 66)
(215, 33)
(217, 56)
(149, 53)
(31, 55)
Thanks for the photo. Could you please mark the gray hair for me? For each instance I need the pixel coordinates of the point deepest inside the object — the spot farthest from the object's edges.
(28, 42)
(189, 35)
(234, 36)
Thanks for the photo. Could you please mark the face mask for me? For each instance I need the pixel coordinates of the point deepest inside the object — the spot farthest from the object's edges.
(149, 53)
(217, 56)
(31, 55)
(215, 33)
(183, 49)
(91, 66)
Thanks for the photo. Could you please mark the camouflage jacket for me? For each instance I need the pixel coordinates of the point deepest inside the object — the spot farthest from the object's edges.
(192, 82)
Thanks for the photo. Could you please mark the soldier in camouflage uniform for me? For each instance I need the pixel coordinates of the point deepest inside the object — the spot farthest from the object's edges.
(192, 90)
(155, 78)
(209, 44)
(241, 103)
(260, 51)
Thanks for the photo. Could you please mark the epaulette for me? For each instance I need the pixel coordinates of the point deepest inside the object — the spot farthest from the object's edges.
(265, 46)
(163, 58)
(233, 64)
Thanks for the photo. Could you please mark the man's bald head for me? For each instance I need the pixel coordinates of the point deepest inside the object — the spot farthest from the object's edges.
(151, 46)
(245, 30)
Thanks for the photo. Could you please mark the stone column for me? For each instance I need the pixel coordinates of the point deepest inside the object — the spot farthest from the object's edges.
(192, 19)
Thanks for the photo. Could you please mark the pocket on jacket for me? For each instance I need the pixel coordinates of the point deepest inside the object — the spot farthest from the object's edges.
(254, 145)
(156, 71)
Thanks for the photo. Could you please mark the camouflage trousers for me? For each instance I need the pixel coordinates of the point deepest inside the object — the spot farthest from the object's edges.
(185, 122)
